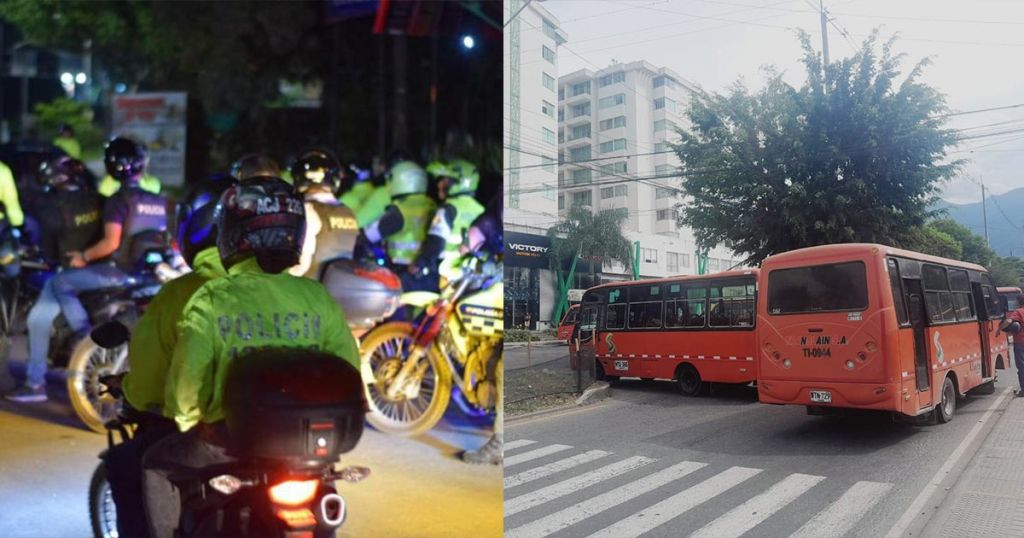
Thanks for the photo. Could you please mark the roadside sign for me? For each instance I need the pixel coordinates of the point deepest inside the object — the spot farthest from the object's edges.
(575, 296)
(157, 120)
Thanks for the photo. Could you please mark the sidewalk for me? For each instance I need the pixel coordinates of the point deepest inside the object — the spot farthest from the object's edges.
(517, 345)
(988, 498)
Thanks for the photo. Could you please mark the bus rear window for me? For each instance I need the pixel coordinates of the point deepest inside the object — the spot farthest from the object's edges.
(822, 288)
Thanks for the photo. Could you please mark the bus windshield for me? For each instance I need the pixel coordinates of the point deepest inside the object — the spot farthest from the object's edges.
(821, 288)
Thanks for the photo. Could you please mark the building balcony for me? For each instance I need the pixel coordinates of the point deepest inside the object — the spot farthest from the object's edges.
(571, 99)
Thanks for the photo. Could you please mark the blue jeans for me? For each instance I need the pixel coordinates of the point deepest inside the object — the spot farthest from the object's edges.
(61, 294)
(1018, 358)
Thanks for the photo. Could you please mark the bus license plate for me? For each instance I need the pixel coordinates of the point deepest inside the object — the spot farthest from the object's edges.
(822, 396)
(621, 365)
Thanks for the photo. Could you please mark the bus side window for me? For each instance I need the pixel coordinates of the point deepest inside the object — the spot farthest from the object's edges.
(897, 293)
(995, 304)
(938, 300)
(615, 316)
(961, 288)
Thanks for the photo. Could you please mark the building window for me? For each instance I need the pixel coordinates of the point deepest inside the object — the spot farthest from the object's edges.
(608, 80)
(612, 169)
(667, 214)
(617, 191)
(672, 260)
(547, 109)
(649, 255)
(549, 191)
(662, 147)
(581, 176)
(664, 192)
(581, 110)
(561, 93)
(662, 125)
(581, 131)
(713, 264)
(547, 163)
(665, 81)
(561, 201)
(581, 198)
(548, 135)
(664, 102)
(618, 121)
(684, 260)
(580, 88)
(664, 169)
(548, 54)
(619, 144)
(550, 29)
(561, 114)
(612, 100)
(581, 153)
(549, 82)
(620, 211)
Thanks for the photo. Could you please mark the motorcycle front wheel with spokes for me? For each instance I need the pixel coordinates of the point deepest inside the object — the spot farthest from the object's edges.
(422, 400)
(88, 363)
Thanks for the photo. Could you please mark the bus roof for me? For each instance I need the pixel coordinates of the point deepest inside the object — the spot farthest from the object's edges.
(844, 250)
(1007, 289)
(647, 281)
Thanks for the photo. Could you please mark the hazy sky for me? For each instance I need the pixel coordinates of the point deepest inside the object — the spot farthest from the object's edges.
(977, 49)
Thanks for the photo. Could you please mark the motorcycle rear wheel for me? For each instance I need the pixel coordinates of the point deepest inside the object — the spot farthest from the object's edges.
(88, 362)
(102, 512)
(383, 352)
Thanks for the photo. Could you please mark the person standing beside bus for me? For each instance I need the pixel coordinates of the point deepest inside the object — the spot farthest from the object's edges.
(1012, 324)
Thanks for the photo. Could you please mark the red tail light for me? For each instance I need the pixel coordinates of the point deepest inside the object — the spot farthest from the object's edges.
(293, 492)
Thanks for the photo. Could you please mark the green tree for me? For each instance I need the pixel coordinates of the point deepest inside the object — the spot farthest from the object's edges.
(973, 245)
(931, 240)
(1008, 271)
(854, 155)
(76, 114)
(583, 234)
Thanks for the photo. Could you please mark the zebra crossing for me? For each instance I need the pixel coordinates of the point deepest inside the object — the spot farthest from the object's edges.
(574, 471)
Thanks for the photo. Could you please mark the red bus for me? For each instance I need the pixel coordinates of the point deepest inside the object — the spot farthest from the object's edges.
(693, 329)
(564, 331)
(868, 326)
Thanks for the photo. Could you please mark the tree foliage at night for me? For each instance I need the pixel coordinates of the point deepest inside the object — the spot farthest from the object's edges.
(854, 158)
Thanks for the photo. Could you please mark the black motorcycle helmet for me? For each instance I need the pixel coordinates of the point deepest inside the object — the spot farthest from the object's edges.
(62, 173)
(316, 167)
(125, 160)
(196, 215)
(255, 165)
(261, 217)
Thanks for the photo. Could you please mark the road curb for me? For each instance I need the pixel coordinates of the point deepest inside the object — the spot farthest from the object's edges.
(941, 497)
(597, 391)
(516, 345)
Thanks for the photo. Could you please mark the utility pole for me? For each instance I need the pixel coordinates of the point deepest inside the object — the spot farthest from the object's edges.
(984, 211)
(824, 37)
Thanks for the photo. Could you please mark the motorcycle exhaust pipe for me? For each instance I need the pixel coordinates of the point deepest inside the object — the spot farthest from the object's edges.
(332, 503)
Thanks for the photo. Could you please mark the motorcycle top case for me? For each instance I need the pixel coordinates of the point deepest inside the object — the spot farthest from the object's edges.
(366, 292)
(301, 406)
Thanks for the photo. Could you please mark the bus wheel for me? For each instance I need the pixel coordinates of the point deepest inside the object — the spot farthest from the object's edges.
(600, 375)
(947, 405)
(689, 381)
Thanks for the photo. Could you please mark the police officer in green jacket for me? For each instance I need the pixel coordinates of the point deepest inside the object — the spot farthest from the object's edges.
(457, 181)
(403, 226)
(152, 345)
(361, 189)
(261, 227)
(11, 207)
(67, 142)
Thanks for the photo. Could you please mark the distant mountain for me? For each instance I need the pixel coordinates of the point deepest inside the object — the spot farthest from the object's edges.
(1005, 220)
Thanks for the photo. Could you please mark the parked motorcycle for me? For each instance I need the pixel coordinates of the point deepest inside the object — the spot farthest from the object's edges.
(409, 368)
(289, 414)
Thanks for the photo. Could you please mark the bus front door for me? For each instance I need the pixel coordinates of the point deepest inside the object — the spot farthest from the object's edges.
(583, 347)
(915, 303)
(985, 328)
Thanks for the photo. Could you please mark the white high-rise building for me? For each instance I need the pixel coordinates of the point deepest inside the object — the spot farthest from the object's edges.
(532, 40)
(615, 126)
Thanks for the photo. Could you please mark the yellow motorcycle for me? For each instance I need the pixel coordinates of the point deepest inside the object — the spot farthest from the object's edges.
(409, 368)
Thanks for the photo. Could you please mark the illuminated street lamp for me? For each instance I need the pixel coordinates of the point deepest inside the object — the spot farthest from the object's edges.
(80, 78)
(67, 78)
(468, 42)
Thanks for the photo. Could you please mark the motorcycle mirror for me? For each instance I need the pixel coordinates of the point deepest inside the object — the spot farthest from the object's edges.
(110, 335)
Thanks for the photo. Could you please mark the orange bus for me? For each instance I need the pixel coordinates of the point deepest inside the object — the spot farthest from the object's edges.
(565, 326)
(868, 326)
(1010, 294)
(692, 329)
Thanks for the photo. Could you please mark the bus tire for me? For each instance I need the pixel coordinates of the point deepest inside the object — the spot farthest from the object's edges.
(947, 404)
(600, 375)
(689, 381)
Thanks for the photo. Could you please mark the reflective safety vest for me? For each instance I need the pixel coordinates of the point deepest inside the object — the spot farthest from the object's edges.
(467, 210)
(417, 210)
(355, 197)
(373, 206)
(69, 146)
(108, 185)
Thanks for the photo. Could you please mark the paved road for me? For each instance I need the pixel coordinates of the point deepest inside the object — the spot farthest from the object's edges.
(418, 488)
(652, 461)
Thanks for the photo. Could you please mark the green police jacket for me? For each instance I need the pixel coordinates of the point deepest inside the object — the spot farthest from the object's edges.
(9, 197)
(467, 209)
(69, 146)
(109, 186)
(417, 210)
(246, 310)
(354, 197)
(154, 338)
(373, 206)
